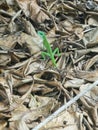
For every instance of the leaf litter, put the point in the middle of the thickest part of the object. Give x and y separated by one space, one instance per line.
31 88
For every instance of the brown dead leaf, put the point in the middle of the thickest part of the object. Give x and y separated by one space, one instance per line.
87 75
3 124
36 13
91 62
92 20
20 124
24 5
89 39
4 59
31 88
66 121
40 108
33 10
74 83
24 41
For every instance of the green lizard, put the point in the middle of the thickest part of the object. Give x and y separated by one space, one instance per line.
50 53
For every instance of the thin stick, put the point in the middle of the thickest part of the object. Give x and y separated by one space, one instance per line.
65 106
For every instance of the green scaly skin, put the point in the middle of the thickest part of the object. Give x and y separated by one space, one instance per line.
47 46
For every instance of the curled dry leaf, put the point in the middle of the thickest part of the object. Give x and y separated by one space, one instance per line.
92 20
24 41
36 13
48 77
91 62
33 10
89 39
6 94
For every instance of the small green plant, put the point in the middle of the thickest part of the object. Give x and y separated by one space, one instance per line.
50 53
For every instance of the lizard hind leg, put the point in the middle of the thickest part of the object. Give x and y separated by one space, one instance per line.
56 51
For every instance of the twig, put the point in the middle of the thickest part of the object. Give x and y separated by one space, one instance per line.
16 15
65 106
5 13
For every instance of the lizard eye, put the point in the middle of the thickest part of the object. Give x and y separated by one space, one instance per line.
40 33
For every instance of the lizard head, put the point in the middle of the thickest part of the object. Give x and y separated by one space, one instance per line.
41 34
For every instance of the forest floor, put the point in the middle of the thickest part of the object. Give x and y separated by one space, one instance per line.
33 88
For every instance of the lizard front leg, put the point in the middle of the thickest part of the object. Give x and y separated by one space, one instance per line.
44 54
